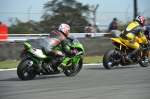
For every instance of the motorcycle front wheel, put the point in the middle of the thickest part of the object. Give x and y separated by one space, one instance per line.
74 69
144 62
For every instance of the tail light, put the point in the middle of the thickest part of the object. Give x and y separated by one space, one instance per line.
22 51
26 48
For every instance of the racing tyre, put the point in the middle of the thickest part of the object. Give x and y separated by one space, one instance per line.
108 60
74 69
24 72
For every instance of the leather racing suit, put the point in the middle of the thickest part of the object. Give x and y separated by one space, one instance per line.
128 36
50 42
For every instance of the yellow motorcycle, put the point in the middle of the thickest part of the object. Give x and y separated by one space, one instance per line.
114 57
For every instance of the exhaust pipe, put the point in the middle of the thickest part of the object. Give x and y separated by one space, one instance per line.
36 67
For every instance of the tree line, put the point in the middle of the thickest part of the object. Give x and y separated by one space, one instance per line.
55 12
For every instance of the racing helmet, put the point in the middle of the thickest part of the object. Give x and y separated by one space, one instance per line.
65 29
141 20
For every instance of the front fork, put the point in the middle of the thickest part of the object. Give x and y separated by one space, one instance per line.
145 54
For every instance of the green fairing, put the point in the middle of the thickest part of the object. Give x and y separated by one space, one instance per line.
79 46
28 45
64 63
36 60
75 59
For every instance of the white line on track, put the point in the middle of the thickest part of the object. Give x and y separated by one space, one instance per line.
83 65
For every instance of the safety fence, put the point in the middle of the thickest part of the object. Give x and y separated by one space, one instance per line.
23 37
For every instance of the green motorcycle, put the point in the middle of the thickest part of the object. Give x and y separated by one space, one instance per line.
34 60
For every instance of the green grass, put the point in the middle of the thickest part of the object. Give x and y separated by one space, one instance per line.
92 59
7 65
86 60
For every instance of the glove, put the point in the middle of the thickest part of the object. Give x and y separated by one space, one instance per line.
73 52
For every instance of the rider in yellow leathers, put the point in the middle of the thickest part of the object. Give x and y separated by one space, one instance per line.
135 28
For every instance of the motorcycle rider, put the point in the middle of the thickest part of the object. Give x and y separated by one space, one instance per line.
134 28
56 37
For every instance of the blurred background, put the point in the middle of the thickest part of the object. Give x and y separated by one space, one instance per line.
42 16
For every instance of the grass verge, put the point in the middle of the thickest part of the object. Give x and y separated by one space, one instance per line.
86 60
7 65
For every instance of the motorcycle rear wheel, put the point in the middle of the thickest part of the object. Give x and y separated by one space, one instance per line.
108 60
22 71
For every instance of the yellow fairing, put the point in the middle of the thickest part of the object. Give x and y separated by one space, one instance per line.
149 54
138 40
141 40
134 45
118 41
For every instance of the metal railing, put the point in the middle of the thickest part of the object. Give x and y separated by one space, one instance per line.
20 37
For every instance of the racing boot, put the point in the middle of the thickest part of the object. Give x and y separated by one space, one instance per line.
56 61
58 58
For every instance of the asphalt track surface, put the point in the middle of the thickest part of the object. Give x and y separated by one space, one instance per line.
93 82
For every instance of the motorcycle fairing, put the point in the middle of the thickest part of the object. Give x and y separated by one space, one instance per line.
118 41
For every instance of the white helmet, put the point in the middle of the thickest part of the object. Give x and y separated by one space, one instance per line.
64 28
